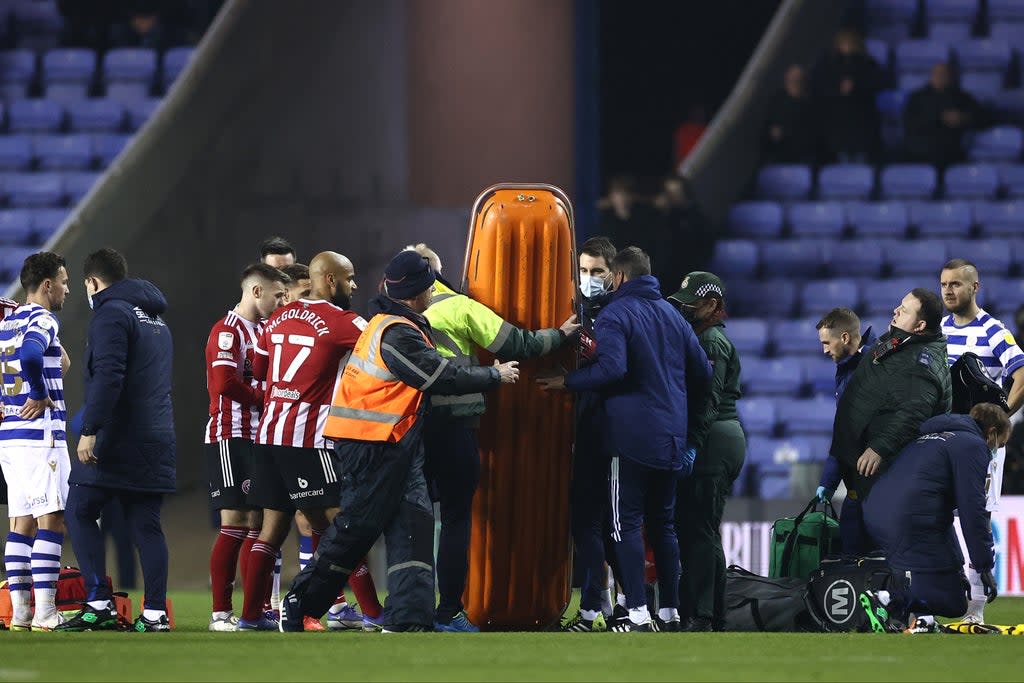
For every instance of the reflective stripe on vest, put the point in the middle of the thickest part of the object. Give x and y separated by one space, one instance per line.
371 403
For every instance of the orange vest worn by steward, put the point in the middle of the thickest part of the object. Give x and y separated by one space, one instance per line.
372 404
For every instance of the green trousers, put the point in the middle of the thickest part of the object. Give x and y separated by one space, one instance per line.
700 503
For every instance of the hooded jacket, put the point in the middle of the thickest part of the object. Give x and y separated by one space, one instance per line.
910 509
128 391
648 358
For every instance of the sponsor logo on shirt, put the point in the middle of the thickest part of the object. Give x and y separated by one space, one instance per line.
290 394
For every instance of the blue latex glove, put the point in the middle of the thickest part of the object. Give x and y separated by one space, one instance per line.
688 459
824 495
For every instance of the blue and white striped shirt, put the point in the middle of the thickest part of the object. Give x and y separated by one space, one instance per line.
989 339
30 324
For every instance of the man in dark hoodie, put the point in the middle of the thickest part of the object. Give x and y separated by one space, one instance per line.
126 450
910 511
649 362
376 421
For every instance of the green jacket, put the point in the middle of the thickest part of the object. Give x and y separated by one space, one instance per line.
461 326
900 382
725 386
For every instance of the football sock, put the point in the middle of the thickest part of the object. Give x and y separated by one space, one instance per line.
366 591
588 614
305 551
258 579
606 602
976 605
639 615
46 571
18 565
223 561
153 614
246 549
884 597
668 613
620 599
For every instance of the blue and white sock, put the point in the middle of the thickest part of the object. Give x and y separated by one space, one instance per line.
275 589
46 571
18 565
305 551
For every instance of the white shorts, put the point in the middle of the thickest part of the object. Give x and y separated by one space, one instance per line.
37 479
994 481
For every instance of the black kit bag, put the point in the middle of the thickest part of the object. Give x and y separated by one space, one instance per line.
834 591
972 385
760 603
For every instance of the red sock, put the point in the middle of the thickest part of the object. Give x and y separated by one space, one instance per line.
223 559
257 579
243 554
366 591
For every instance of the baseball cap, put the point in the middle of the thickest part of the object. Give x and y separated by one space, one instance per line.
698 285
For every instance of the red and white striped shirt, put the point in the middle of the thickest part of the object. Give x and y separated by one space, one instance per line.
236 398
301 353
7 307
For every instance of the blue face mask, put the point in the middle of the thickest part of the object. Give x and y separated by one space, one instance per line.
592 286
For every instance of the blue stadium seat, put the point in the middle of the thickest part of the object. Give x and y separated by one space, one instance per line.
77 185
949 32
1003 297
45 222
761 451
879 51
68 73
1005 10
992 256
140 112
772 376
909 81
792 258
1000 219
773 482
816 219
941 218
984 54
64 152
34 189
1011 179
35 116
1009 104
878 219
845 181
858 258
757 415
175 61
755 219
820 374
1001 143
818 296
950 19
882 296
908 181
17 69
748 335
920 55
11 261
129 73
890 105
95 116
984 85
799 336
735 258
16 228
767 299
109 145
807 416
922 257
878 325
15 153
971 181
784 181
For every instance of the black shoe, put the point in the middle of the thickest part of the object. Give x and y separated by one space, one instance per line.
671 626
627 626
619 614
407 628
144 625
696 624
92 619
291 615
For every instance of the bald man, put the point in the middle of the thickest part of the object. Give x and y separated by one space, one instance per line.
299 355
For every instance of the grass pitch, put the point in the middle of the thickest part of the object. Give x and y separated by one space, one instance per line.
193 654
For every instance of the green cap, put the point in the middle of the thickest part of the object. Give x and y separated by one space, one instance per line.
698 285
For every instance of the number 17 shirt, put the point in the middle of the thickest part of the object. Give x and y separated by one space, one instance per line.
301 354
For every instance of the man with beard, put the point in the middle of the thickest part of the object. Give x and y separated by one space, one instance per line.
300 355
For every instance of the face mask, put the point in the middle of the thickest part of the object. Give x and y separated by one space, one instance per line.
592 286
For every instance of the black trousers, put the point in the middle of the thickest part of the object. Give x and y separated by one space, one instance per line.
941 593
383 491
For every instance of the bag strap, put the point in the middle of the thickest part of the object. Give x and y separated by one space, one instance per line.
787 550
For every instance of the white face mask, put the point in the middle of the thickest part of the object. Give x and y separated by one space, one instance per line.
592 286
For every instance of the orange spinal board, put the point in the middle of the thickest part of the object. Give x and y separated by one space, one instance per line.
521 262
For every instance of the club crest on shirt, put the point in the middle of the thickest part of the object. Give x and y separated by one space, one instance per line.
225 340
1008 338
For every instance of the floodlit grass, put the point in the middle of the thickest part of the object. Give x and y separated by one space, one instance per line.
192 654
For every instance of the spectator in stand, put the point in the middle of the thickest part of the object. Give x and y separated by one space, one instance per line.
625 218
686 233
846 84
936 118
688 134
156 24
791 125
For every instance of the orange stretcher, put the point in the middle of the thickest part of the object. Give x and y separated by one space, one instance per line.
521 262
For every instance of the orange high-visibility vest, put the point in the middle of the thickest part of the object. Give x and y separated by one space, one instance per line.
371 403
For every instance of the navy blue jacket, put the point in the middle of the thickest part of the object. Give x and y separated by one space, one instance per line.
830 472
909 510
128 392
647 358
